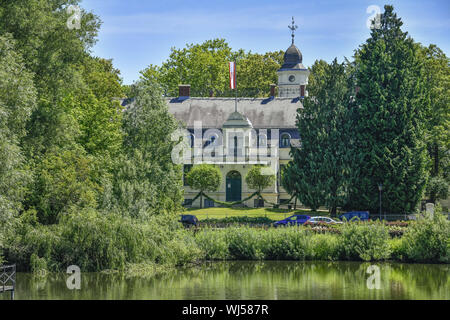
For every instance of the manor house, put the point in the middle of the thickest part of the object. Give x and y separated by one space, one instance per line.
272 121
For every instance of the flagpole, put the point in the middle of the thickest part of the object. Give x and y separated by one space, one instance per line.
235 86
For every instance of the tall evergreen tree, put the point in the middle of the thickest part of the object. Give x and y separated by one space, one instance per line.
437 66
388 114
321 163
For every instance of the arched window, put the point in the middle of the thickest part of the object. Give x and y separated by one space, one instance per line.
285 140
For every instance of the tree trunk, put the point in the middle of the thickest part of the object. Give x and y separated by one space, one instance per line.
333 212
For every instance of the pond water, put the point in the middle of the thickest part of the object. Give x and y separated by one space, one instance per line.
251 280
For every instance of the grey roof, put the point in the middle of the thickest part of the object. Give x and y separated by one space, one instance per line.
214 112
293 58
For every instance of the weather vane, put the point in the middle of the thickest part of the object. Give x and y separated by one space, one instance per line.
293 27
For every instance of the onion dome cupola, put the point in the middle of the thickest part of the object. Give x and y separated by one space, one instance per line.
293 58
293 76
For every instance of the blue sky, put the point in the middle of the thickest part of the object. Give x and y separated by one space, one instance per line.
136 33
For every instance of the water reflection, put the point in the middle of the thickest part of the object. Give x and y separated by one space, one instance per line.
251 280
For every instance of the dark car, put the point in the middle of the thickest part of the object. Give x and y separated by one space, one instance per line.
355 215
189 220
295 220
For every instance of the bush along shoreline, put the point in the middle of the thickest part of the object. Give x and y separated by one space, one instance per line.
110 242
424 241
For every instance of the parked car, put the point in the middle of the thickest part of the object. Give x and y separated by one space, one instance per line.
189 220
295 220
358 215
327 220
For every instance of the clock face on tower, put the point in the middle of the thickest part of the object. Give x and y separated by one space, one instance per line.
292 78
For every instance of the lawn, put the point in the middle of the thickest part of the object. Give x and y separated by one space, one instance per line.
274 214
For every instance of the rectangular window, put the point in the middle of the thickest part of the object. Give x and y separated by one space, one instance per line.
302 91
209 203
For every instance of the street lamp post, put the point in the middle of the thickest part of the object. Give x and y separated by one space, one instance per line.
380 188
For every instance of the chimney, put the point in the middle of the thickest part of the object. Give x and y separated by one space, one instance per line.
302 91
184 90
272 90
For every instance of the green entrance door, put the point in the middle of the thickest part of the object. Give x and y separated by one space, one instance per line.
234 186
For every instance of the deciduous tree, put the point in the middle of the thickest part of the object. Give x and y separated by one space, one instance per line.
204 177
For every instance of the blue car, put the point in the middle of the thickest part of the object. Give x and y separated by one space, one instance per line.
293 221
355 215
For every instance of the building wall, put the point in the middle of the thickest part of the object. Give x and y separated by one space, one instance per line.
273 193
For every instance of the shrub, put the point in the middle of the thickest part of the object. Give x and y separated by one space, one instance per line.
325 247
38 265
95 241
365 242
397 249
297 244
213 244
181 250
428 239
244 243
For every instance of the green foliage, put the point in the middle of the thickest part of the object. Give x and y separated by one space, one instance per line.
289 180
428 240
387 121
49 48
96 241
17 102
204 177
437 189
17 92
146 181
259 178
63 180
289 244
213 248
319 171
437 71
359 242
326 247
365 242
245 244
205 67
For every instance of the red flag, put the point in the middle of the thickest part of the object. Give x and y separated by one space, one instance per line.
232 75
